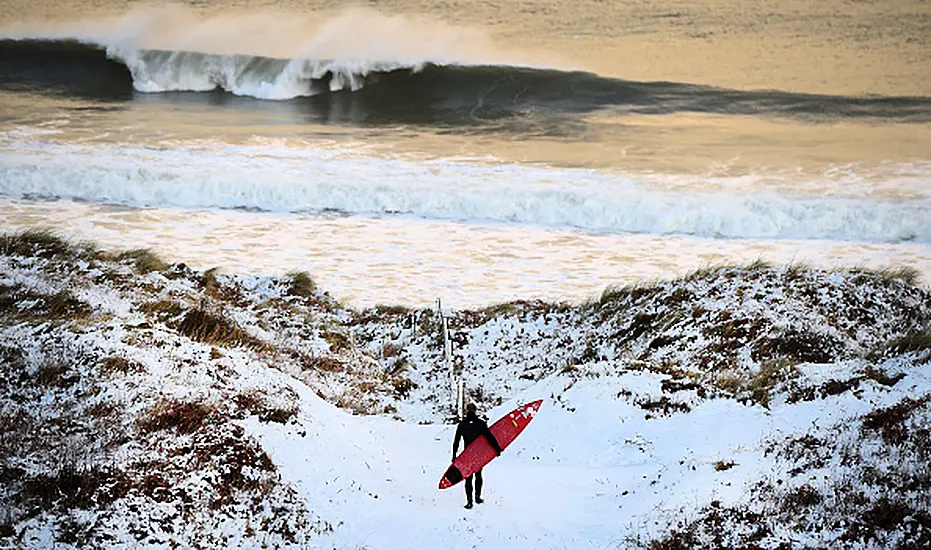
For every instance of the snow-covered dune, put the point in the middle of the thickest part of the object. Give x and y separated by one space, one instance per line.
147 405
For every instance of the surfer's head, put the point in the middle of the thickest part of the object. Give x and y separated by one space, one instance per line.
470 409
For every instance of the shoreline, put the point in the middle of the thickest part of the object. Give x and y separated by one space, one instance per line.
365 262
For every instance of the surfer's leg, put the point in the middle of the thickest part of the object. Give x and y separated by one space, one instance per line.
468 489
478 486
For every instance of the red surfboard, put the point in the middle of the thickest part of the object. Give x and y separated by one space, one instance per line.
480 452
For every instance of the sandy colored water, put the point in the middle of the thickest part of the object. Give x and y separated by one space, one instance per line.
835 47
851 47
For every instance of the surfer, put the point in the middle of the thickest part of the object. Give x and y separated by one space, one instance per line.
468 430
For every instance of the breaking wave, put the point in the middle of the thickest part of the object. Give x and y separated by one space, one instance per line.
314 180
403 90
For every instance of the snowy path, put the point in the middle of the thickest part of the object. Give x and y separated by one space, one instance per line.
589 472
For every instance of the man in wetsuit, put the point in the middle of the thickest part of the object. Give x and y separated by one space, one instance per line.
469 430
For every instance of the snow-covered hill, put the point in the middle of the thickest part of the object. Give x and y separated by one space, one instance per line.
147 405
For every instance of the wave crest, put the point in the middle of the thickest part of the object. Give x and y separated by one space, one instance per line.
258 77
272 56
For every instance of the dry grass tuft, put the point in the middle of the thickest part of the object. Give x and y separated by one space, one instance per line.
185 417
663 407
55 373
756 387
907 274
114 365
797 271
917 339
144 260
215 289
63 304
771 373
18 302
797 500
13 358
257 403
759 265
888 275
74 487
402 386
162 309
707 272
206 327
724 465
302 285
621 296
799 345
391 311
891 422
339 341
39 243
10 297
210 283
322 363
500 310
358 400
882 377
389 350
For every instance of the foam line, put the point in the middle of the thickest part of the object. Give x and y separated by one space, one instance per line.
313 180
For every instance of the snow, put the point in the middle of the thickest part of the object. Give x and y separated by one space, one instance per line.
596 468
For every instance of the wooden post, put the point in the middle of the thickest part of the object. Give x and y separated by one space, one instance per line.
456 383
460 398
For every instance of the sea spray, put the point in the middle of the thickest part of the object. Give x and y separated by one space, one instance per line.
357 33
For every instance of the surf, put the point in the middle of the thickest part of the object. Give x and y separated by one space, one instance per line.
313 180
397 90
386 69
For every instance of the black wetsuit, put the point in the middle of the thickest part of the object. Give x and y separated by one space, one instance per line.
469 430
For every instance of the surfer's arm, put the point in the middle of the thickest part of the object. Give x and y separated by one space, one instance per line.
491 439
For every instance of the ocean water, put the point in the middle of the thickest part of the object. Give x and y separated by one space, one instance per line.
474 152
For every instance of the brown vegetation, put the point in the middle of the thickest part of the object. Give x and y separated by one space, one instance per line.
17 302
800 345
113 365
663 406
162 309
916 339
258 403
38 243
302 285
185 417
208 328
891 422
55 373
144 260
72 487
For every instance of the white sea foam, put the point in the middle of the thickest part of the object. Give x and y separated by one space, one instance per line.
259 77
310 179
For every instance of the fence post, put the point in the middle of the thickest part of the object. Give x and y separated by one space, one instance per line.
460 398
456 383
